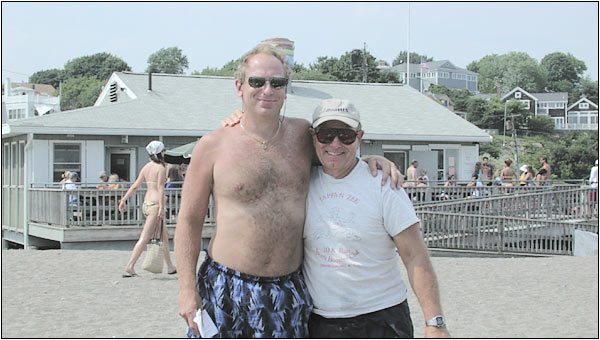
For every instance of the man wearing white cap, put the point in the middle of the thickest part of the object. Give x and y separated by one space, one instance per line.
352 231
257 172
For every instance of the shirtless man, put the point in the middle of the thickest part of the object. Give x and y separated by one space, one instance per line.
258 172
546 166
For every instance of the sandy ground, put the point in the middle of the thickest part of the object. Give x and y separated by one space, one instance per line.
72 293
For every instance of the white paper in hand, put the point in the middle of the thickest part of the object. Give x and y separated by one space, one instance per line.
206 325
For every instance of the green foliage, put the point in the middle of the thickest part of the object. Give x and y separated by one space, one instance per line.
573 155
509 71
51 77
415 58
307 74
541 124
388 76
492 150
588 88
167 60
562 67
460 98
226 71
99 65
80 92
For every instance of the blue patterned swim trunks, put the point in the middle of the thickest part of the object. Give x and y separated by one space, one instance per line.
246 306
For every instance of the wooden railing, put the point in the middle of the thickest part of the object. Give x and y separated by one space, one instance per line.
551 203
95 207
542 222
499 233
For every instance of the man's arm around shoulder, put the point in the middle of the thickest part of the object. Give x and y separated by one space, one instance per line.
188 234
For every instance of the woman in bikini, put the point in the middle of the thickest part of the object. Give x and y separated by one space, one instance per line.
154 174
507 175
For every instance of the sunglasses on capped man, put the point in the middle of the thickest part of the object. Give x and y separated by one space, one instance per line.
327 135
276 82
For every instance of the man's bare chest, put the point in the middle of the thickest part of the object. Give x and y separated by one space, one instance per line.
251 174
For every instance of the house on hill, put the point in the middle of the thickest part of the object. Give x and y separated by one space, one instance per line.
439 72
134 109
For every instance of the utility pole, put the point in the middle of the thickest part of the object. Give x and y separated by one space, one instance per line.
365 62
514 133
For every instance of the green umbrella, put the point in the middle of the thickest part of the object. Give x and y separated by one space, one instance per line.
180 154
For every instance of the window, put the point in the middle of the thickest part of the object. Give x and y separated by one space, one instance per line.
584 105
560 105
444 74
67 157
16 113
6 164
517 95
398 157
21 162
526 102
14 164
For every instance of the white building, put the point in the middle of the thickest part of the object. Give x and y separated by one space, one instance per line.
21 101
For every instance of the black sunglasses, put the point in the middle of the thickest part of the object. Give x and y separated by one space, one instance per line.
276 82
327 135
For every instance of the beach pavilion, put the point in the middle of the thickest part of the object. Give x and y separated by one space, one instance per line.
135 108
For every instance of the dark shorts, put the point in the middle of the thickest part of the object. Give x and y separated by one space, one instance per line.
392 322
246 306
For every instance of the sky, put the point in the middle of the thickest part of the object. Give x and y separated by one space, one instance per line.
45 35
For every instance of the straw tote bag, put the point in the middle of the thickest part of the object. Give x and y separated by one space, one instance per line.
153 262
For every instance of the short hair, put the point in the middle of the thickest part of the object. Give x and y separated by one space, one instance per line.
414 161
72 175
544 158
484 157
264 48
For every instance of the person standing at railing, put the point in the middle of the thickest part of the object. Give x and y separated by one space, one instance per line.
154 174
69 185
594 182
545 165
507 174
487 169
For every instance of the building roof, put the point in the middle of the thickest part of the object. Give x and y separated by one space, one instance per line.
193 105
436 65
583 100
41 89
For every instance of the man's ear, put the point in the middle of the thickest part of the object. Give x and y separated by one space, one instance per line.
238 87
360 135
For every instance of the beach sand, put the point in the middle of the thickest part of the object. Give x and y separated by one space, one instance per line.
73 293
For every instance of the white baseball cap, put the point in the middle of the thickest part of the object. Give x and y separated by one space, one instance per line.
155 147
336 109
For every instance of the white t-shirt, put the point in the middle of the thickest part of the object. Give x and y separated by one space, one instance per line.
351 265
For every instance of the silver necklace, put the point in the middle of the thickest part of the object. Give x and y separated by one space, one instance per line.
263 142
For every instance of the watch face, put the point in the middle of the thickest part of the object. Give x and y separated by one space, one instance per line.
439 320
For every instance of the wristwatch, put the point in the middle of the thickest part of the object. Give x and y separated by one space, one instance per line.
436 321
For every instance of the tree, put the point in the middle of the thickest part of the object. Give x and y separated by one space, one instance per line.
51 77
459 97
541 124
588 88
415 58
226 71
572 155
562 67
167 60
509 71
99 65
80 92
